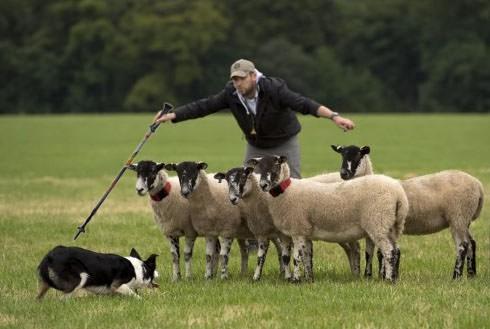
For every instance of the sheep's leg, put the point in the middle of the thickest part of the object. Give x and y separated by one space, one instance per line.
286 244
397 262
381 264
389 258
215 258
263 246
244 256
297 259
210 256
462 242
368 272
175 251
225 256
277 244
308 259
301 255
471 257
352 251
189 247
460 258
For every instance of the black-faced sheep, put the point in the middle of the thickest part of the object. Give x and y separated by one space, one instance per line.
362 167
211 213
170 210
373 206
447 199
243 185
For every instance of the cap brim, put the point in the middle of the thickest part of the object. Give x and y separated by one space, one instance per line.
241 74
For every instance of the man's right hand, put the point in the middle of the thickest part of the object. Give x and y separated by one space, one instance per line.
163 118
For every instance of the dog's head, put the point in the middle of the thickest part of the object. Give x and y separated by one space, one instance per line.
145 270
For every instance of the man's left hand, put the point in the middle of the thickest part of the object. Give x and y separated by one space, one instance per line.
343 123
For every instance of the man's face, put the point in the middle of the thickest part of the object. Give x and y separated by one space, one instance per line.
245 85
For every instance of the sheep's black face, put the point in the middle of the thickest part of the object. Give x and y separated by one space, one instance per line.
351 158
269 169
237 179
146 175
188 172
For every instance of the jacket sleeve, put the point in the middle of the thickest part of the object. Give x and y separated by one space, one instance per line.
295 101
201 108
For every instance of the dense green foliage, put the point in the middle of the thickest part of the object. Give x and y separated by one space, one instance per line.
55 168
356 56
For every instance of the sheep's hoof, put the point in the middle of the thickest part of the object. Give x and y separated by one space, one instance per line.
294 280
309 280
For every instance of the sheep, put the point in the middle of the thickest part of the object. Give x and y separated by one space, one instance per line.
363 165
355 163
243 185
373 206
170 210
211 214
358 161
447 199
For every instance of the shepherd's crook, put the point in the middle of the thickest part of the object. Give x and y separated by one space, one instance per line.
153 127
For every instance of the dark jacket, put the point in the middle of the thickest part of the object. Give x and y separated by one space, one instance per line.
275 121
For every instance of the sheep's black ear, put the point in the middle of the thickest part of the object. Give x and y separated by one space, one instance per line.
219 176
133 166
282 159
160 166
249 170
252 162
171 167
134 254
337 148
202 165
365 150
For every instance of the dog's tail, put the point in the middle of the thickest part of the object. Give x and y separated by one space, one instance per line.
45 281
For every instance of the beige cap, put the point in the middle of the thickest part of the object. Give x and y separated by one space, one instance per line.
241 68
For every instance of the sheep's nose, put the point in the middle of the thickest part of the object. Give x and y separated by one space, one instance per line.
234 200
344 174
264 185
140 191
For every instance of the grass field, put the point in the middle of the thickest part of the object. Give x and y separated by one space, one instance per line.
55 168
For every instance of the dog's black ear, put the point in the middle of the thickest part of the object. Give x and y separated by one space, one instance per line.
219 176
134 254
151 261
365 150
160 166
171 167
133 166
337 148
202 165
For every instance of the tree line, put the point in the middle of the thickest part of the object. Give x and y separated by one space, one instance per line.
355 56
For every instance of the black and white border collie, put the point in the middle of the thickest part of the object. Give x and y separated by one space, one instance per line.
71 268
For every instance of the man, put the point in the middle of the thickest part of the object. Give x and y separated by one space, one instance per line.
263 108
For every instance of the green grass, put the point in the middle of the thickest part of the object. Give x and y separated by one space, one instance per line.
55 168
